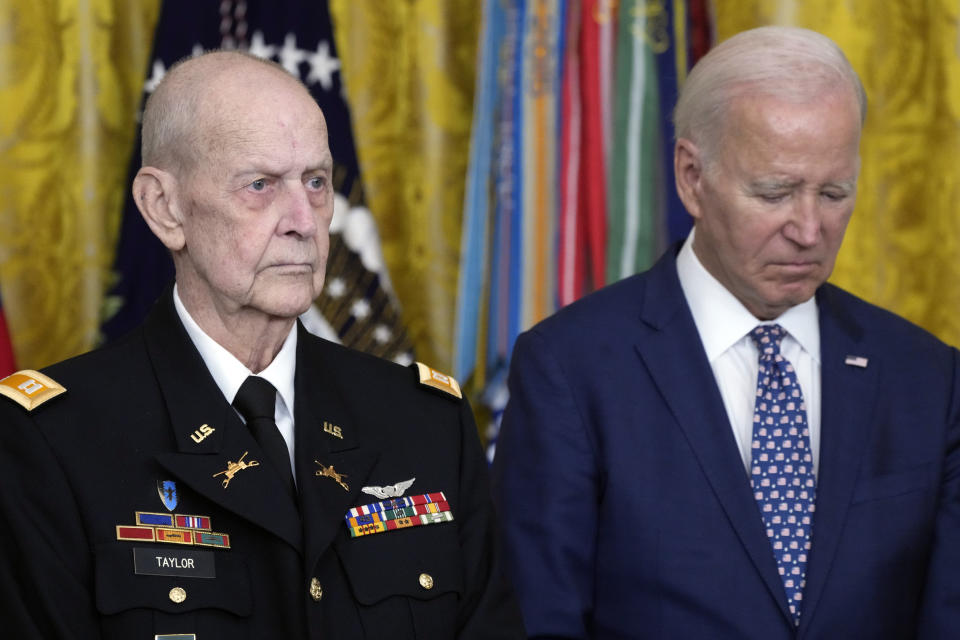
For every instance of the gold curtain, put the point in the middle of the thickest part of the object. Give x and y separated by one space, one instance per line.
71 75
409 69
901 248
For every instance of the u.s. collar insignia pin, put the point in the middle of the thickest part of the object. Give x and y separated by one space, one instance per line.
167 489
332 429
233 467
330 472
389 491
202 433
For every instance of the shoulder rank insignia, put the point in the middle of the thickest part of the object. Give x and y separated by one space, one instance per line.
433 378
30 388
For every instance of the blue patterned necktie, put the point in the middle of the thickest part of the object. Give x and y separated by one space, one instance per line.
781 464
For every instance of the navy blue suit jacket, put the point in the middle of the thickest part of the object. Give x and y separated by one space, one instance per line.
626 510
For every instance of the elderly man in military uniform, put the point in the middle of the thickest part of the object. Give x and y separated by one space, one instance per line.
220 472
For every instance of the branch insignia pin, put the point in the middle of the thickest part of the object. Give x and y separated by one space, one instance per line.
233 467
330 472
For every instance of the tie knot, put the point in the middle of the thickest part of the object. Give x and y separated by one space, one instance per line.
767 337
256 398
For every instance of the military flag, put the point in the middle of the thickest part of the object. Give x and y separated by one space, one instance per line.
571 168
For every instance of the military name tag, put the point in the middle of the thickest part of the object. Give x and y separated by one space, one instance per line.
160 562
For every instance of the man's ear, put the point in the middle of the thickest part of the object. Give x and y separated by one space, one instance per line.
154 191
688 174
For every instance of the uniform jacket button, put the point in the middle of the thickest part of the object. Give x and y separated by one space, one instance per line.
178 594
426 581
316 589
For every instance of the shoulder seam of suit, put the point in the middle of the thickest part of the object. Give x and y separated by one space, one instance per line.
30 388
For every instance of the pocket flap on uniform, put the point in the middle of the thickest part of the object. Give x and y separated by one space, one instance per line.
421 563
170 578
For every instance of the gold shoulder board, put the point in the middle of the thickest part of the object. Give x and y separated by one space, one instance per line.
30 388
433 378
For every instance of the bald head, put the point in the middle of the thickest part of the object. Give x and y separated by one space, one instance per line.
237 184
190 111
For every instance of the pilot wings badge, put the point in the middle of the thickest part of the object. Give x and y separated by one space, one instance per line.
389 491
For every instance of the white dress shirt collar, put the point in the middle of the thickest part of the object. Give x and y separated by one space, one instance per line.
229 373
722 320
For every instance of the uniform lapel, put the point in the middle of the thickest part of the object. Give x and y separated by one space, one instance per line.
329 433
671 349
848 396
193 400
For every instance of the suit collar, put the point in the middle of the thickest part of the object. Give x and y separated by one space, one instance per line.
671 349
848 399
329 434
192 400
192 397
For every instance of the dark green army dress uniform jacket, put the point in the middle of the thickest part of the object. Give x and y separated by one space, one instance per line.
133 505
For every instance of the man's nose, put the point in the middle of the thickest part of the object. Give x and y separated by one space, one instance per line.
806 220
298 216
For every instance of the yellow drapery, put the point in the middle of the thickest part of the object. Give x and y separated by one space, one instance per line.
901 247
71 75
409 70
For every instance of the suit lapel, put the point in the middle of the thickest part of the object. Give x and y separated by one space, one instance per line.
671 349
847 398
193 400
329 433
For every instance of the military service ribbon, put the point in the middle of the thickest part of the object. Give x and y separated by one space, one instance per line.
398 513
173 528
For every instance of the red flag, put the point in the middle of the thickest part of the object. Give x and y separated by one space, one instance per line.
701 30
597 19
7 365
571 251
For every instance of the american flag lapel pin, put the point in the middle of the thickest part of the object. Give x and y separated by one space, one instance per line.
856 361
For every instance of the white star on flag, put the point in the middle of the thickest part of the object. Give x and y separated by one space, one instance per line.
156 75
291 56
360 309
381 334
260 48
322 66
336 288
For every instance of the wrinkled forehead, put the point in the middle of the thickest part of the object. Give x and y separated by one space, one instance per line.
260 113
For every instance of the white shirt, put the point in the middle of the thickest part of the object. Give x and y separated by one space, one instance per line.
724 324
229 373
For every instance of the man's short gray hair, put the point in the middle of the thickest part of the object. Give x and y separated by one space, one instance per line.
786 62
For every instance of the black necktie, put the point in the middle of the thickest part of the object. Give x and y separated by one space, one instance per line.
255 401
